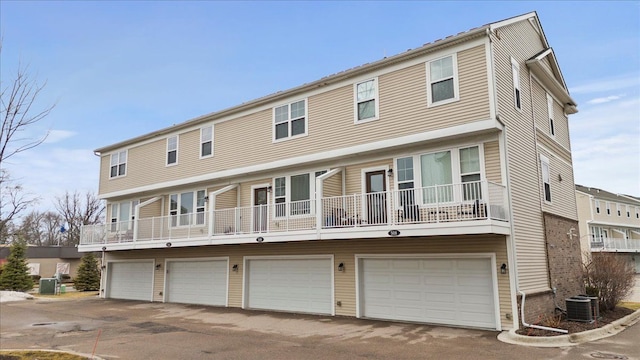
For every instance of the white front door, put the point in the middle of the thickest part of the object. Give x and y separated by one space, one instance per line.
130 280
452 291
295 285
197 282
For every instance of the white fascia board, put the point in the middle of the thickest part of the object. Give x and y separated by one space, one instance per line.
550 82
612 224
512 20
377 146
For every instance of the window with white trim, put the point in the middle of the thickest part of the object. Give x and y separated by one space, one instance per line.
292 194
187 208
206 141
405 182
123 215
628 209
552 128
290 120
597 206
366 98
442 80
436 173
619 209
546 177
515 71
118 164
637 213
608 206
598 234
172 150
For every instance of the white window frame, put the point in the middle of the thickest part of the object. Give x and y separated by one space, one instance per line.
456 174
287 197
545 174
456 88
637 212
375 98
517 92
169 150
608 206
115 211
202 141
619 209
597 202
628 210
118 163
193 218
290 120
552 126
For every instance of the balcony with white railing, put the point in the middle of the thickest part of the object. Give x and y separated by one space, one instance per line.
468 208
608 244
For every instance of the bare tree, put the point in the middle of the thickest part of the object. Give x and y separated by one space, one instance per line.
18 112
13 200
41 228
17 101
77 210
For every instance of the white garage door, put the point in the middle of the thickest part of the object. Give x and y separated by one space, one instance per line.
130 280
441 291
197 282
296 285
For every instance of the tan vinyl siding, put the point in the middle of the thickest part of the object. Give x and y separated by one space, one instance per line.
333 185
614 218
151 210
552 145
227 200
561 122
541 116
342 251
403 111
492 162
521 42
562 188
584 204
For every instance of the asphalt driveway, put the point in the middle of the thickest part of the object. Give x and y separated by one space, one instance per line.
140 330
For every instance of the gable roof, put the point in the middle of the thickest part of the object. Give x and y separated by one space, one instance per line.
339 76
608 196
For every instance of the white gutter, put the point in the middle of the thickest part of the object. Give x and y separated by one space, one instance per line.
536 326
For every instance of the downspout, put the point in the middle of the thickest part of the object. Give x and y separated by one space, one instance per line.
536 326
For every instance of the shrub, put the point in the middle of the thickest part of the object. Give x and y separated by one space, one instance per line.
610 277
35 278
88 274
15 274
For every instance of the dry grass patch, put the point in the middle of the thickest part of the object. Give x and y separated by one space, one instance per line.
38 355
69 295
630 305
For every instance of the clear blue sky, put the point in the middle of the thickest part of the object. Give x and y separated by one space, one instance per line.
121 69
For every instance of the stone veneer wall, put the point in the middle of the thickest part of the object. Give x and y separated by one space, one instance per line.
565 268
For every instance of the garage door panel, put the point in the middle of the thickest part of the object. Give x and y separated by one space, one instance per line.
298 285
447 291
197 282
131 280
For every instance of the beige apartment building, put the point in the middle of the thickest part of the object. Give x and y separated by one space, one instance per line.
609 222
433 186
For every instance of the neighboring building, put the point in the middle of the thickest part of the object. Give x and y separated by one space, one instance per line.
430 186
609 223
46 261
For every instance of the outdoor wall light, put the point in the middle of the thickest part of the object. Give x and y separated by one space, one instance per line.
235 267
341 267
168 244
390 172
269 188
104 248
503 268
158 266
259 239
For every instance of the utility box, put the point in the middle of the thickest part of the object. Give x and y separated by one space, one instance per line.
579 309
48 286
595 305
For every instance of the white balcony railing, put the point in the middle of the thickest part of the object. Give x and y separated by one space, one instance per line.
435 204
614 244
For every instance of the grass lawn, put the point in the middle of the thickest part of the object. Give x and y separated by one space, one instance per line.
630 305
68 295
